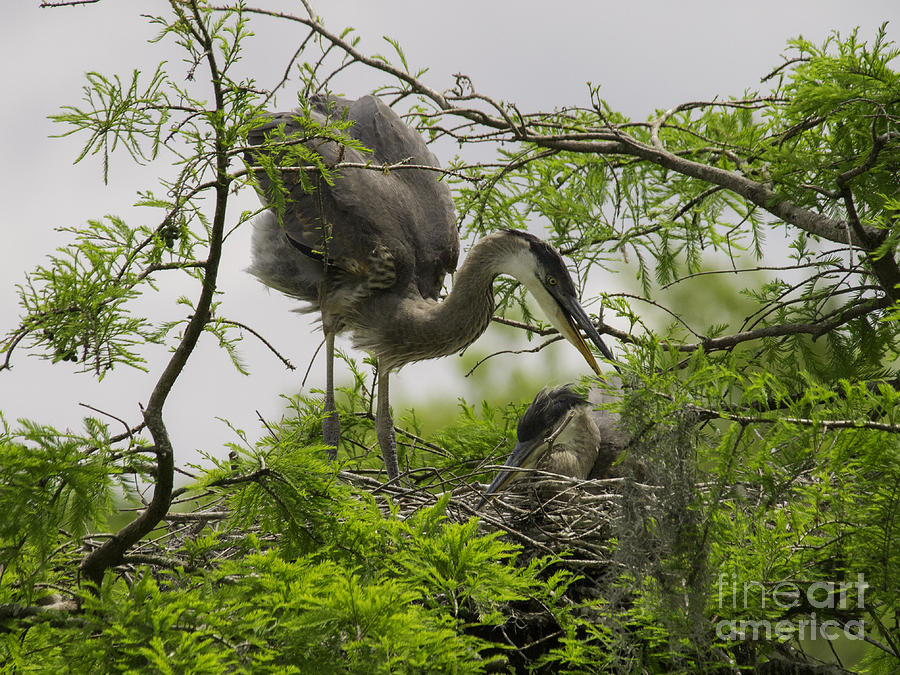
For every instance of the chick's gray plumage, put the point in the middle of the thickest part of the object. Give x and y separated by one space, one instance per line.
557 435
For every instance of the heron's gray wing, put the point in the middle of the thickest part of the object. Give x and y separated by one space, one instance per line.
404 215
346 242
425 219
407 212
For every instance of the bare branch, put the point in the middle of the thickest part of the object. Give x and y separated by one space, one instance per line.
824 424
242 326
814 329
744 270
533 350
787 62
67 3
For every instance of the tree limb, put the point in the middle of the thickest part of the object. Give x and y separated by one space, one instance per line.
110 553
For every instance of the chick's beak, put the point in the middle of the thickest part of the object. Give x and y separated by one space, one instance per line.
525 455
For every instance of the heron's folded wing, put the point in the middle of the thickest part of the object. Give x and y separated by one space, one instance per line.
407 213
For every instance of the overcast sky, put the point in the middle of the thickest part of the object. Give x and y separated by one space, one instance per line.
645 56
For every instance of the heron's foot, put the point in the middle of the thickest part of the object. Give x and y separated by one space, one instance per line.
331 433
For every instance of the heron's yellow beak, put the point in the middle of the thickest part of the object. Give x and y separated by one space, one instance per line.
573 335
569 318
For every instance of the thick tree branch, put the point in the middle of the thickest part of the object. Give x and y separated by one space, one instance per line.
112 551
801 421
885 266
816 330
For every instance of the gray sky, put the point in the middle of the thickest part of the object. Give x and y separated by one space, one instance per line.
646 56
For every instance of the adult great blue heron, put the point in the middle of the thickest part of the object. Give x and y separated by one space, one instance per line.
370 251
559 434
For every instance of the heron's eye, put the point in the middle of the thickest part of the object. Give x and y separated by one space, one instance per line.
551 281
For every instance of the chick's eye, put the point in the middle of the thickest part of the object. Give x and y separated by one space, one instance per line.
551 281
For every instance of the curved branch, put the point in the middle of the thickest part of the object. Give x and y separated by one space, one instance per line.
816 330
743 270
532 350
801 421
113 550
238 324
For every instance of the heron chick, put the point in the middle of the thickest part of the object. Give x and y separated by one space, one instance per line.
557 434
370 249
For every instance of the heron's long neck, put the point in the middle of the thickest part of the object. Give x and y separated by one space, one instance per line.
466 312
425 329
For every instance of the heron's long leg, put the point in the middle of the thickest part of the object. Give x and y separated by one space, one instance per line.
384 426
331 422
